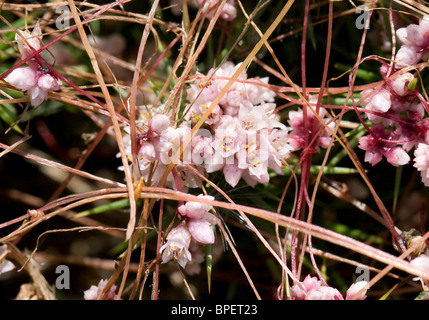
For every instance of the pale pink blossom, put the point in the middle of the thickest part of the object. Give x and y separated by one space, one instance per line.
34 79
202 150
201 230
355 288
415 35
27 42
407 56
177 246
147 151
199 220
376 148
421 262
378 100
259 117
95 291
159 123
373 153
397 156
421 161
256 91
280 149
232 174
36 83
226 141
400 84
23 78
316 133
196 210
312 289
197 111
415 43
5 264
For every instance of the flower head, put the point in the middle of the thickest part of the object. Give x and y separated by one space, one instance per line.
312 289
355 288
34 79
95 291
27 42
316 131
177 246
376 149
199 219
196 210
421 161
415 35
415 41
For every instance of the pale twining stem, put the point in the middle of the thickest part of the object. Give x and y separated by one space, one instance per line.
60 166
112 112
134 151
284 221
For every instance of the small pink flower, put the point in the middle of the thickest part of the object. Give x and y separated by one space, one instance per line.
379 100
199 220
421 262
35 83
400 84
407 56
177 246
312 289
396 156
5 265
95 291
196 210
421 161
201 230
28 41
299 135
197 111
373 153
232 174
22 78
354 290
159 123
415 35
376 149
202 149
147 151
33 79
226 141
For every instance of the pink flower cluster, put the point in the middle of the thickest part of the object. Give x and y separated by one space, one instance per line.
196 224
95 291
247 137
415 43
34 79
398 119
312 129
312 289
242 135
